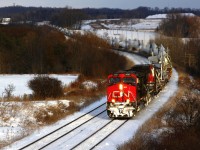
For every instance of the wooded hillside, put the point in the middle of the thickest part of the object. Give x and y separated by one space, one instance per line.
32 49
182 35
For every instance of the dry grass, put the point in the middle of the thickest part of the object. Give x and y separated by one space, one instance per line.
51 114
12 114
29 117
79 94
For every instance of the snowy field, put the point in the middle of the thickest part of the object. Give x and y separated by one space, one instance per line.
142 31
20 82
11 123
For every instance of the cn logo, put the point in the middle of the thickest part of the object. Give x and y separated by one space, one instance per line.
118 94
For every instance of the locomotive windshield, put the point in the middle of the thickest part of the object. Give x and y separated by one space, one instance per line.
112 81
129 80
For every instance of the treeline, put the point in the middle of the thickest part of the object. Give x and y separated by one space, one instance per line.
64 17
182 38
19 13
71 18
41 50
140 12
178 25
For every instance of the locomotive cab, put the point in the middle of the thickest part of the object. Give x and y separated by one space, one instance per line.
122 94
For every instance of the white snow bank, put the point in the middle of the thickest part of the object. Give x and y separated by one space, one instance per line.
157 16
135 58
163 16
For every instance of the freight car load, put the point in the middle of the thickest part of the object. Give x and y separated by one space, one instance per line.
129 89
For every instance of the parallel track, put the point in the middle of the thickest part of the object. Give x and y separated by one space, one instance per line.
105 128
92 134
53 132
100 138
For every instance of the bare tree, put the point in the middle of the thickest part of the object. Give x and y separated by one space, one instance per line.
8 91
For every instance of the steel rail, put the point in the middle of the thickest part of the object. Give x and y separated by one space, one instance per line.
64 126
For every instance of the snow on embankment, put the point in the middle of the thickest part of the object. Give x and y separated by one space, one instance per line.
135 58
126 132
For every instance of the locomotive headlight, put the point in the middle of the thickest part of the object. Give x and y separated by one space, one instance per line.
128 100
121 94
121 86
113 100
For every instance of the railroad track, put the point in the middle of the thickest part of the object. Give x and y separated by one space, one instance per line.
65 129
75 134
100 135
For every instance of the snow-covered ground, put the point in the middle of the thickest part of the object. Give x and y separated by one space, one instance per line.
136 58
13 118
124 35
121 135
140 31
163 16
20 82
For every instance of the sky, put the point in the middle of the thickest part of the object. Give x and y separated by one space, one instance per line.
123 4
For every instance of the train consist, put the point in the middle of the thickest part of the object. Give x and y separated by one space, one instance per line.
130 89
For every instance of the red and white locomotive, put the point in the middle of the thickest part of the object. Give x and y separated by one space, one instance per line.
127 89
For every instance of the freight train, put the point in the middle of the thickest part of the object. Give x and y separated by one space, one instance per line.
130 89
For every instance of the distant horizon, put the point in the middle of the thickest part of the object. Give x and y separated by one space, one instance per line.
95 7
116 4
